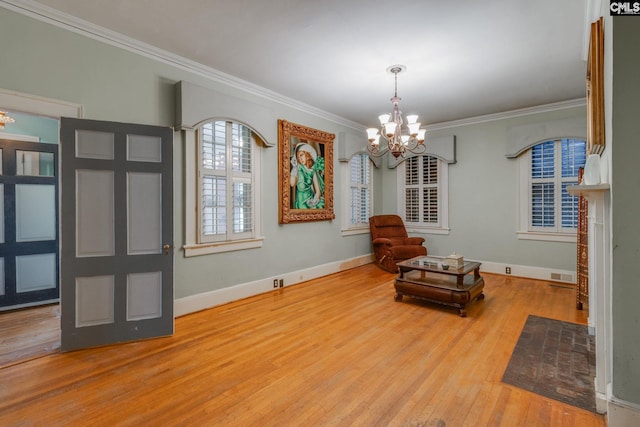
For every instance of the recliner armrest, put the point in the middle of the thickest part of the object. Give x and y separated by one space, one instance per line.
414 240
381 241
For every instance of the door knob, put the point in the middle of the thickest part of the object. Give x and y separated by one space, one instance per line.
166 248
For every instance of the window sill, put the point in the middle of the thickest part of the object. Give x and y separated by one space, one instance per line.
355 231
548 237
220 247
427 230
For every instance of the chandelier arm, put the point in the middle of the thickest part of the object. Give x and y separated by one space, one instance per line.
418 149
375 151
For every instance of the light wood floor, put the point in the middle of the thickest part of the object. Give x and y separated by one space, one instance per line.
29 333
335 351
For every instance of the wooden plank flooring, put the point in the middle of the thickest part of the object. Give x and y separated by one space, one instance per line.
29 333
334 351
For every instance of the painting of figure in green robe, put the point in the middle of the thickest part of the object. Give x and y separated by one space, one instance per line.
307 176
305 173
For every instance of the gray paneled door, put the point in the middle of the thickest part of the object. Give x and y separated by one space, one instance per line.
117 232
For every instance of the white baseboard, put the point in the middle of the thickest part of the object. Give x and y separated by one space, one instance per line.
540 273
601 399
622 414
205 300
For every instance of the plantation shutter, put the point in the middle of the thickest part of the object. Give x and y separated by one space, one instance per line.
412 190
226 182
360 192
421 190
543 185
574 156
214 183
554 167
430 189
241 176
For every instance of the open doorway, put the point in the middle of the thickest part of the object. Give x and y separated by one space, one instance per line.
28 221
29 237
30 310
100 302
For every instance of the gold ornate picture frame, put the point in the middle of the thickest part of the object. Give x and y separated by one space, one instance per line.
595 90
305 173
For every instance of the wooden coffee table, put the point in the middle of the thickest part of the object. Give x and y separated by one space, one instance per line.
423 277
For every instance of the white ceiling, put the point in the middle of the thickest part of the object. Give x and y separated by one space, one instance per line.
464 59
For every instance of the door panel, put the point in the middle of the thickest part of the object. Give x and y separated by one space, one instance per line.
35 212
95 212
94 144
145 199
95 301
117 210
144 295
36 272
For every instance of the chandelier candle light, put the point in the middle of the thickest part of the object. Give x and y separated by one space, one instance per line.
391 129
5 119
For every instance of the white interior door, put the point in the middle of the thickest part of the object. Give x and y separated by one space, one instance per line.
117 232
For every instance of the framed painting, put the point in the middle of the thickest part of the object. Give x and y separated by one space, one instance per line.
595 90
305 173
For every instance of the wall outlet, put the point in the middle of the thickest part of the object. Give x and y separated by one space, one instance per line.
275 283
507 270
282 283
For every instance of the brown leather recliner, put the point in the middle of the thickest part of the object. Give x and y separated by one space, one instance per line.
391 243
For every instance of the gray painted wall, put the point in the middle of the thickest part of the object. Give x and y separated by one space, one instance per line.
117 85
623 130
483 194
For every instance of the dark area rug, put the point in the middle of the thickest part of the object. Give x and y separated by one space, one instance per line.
555 359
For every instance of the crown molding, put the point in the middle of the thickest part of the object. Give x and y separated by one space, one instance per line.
62 20
563 105
591 14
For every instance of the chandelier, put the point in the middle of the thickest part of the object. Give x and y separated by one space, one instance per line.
5 119
398 139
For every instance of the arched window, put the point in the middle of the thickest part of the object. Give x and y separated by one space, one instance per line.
547 210
423 194
227 196
226 181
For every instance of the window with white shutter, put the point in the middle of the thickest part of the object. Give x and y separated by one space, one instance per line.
359 192
223 160
547 210
226 182
424 204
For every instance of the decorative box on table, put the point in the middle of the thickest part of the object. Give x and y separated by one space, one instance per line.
455 260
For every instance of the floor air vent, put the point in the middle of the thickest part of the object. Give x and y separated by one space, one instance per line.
562 277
